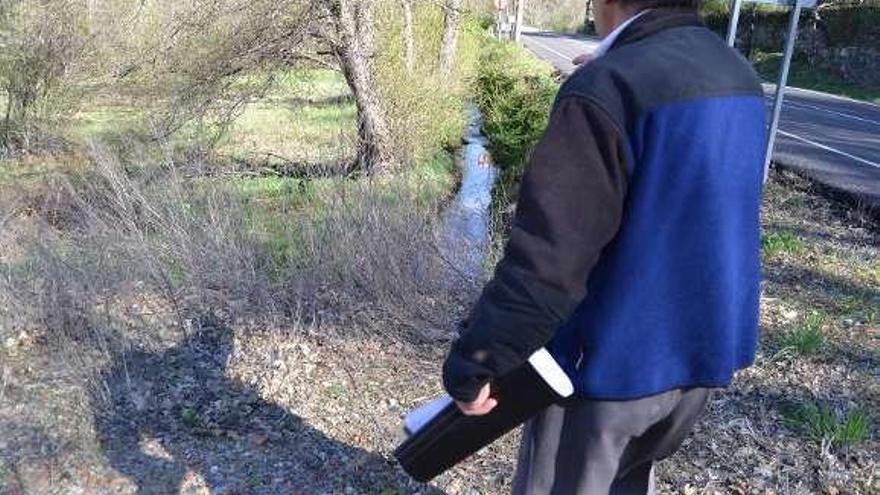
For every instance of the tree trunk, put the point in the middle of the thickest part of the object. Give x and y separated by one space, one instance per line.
589 15
750 33
6 138
355 50
409 38
450 36
517 27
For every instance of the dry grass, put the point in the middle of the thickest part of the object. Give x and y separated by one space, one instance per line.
119 268
242 371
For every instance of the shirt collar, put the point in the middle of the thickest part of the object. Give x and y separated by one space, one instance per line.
609 40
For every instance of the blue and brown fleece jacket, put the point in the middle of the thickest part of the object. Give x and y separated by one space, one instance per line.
635 250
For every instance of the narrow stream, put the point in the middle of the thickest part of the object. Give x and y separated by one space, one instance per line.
467 220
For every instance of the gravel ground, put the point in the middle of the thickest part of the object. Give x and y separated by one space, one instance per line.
315 409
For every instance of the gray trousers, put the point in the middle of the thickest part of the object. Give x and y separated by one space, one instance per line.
588 447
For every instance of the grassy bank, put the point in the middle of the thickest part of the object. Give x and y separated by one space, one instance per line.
802 75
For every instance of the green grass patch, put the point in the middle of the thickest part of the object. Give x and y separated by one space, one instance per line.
776 243
274 195
314 84
860 307
290 125
802 75
103 119
433 178
255 480
872 316
190 417
337 391
869 273
821 423
4 473
17 172
279 207
805 339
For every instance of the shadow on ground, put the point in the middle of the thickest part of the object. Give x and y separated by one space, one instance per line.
816 286
847 239
330 101
172 422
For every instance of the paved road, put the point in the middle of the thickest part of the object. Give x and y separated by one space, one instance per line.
834 140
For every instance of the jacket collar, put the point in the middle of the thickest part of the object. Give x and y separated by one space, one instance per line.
654 21
611 39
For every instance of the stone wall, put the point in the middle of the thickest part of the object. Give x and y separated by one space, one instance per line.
844 40
857 64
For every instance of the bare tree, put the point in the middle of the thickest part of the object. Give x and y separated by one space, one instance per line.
189 68
245 36
409 39
450 35
39 45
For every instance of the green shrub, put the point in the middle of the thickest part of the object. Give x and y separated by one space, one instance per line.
42 51
426 110
775 243
515 93
821 423
715 7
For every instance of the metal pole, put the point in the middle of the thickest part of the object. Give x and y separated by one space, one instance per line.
783 80
517 27
734 22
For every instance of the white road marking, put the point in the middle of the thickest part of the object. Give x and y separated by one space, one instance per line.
835 112
567 58
830 149
796 104
838 97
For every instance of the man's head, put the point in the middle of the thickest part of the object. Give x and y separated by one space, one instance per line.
608 14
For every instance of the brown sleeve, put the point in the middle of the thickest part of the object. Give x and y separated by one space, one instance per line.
570 208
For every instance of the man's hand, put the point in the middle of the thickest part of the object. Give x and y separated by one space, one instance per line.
481 406
582 59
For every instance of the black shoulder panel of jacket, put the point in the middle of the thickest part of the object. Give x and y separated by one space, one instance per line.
665 56
570 208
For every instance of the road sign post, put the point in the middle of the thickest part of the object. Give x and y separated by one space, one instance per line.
796 7
518 23
781 85
734 22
